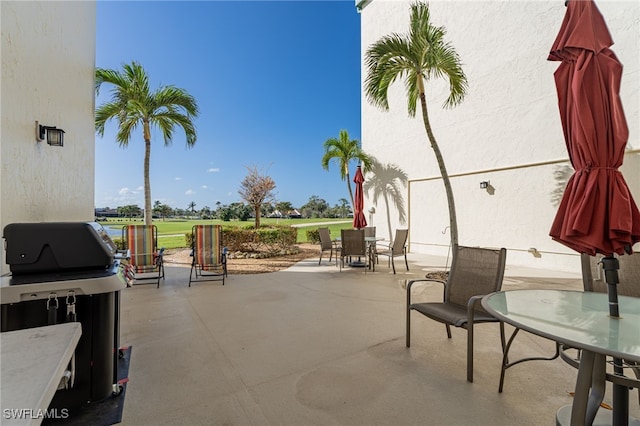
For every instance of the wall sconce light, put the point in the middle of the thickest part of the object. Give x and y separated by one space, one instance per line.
372 211
484 184
55 136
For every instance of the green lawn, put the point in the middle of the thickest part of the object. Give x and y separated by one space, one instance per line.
171 231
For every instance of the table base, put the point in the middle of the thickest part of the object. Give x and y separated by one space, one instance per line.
604 417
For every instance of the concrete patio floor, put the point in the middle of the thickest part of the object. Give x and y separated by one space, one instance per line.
314 346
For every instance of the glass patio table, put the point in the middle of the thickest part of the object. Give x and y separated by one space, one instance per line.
580 320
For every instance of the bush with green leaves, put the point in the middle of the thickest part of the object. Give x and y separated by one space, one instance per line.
119 242
313 236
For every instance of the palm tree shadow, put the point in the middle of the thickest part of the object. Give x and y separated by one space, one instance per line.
386 181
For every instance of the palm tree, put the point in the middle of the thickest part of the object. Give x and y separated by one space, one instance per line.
418 57
344 150
192 207
385 183
133 104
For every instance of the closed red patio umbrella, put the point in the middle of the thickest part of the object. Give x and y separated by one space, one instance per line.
359 219
597 213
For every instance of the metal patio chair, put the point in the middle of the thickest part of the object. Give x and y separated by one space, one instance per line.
397 248
209 256
474 273
327 244
369 231
353 245
144 259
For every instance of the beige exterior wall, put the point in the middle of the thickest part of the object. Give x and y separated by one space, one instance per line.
507 131
48 67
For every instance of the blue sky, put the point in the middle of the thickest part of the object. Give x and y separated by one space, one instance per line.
273 80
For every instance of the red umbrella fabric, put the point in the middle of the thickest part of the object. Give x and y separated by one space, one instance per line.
597 213
359 220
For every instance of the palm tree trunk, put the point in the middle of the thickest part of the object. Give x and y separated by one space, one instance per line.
443 170
148 219
353 204
386 203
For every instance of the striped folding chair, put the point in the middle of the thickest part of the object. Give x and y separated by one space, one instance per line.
209 257
144 258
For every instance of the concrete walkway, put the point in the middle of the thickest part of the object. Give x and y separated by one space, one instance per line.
314 346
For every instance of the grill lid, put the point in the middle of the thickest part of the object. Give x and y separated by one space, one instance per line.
33 248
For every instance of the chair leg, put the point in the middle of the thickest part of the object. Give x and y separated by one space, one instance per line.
408 331
448 330
321 257
408 315
405 261
191 271
393 264
470 352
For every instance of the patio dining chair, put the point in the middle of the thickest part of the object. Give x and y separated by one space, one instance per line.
369 231
398 247
144 260
353 245
327 244
209 257
474 273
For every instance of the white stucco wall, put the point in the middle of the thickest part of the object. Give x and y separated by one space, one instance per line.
48 68
506 131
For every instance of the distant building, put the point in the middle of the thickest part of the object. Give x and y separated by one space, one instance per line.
106 212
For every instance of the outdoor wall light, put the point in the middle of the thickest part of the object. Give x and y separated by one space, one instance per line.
484 184
55 136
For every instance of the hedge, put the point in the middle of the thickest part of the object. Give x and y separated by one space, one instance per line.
248 239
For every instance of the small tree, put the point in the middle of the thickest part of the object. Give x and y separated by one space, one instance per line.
257 189
344 210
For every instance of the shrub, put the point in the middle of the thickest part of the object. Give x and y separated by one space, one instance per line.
119 242
246 238
277 237
313 236
237 239
188 238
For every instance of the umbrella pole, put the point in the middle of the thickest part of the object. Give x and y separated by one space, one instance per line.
611 265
